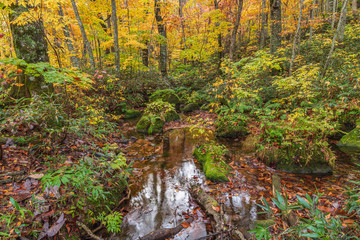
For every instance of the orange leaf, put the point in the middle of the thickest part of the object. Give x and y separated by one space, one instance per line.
185 224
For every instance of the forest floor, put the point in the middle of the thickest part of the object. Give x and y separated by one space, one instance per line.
248 175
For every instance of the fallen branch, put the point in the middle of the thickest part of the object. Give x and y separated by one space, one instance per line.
165 233
16 173
209 204
88 231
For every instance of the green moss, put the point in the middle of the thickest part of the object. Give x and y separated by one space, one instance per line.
351 140
143 124
171 116
190 107
150 124
156 125
231 125
214 168
166 95
131 113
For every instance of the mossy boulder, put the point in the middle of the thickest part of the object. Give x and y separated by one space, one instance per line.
215 169
155 115
351 140
166 95
132 113
308 158
190 107
150 124
171 116
231 126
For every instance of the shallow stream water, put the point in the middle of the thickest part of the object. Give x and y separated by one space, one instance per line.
164 169
160 195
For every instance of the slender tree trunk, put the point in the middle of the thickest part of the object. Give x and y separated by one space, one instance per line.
342 18
220 51
74 59
30 44
276 29
263 31
333 16
83 34
145 54
312 15
295 38
163 40
342 26
235 29
354 6
116 38
181 3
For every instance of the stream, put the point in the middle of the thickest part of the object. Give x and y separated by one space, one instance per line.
159 195
164 169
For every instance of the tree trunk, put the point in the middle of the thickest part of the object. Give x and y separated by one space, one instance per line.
342 26
163 40
145 54
30 44
73 57
295 38
312 15
181 3
116 38
333 16
263 31
235 29
83 34
275 16
354 6
342 18
220 51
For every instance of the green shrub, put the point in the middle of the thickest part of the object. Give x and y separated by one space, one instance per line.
166 95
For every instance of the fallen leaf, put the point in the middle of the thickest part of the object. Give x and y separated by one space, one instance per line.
185 224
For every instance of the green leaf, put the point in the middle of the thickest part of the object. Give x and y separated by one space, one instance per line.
14 203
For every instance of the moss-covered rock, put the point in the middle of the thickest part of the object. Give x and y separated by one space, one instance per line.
132 113
309 159
166 95
190 107
150 124
171 116
155 115
214 167
351 140
231 125
143 124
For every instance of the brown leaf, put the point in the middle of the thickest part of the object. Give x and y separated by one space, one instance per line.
55 228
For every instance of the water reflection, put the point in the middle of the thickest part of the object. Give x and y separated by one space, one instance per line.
160 196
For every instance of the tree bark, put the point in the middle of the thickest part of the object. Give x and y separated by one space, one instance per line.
263 31
235 29
220 51
312 15
116 38
333 16
296 37
181 3
275 16
335 36
354 6
30 44
163 40
83 34
74 59
342 26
